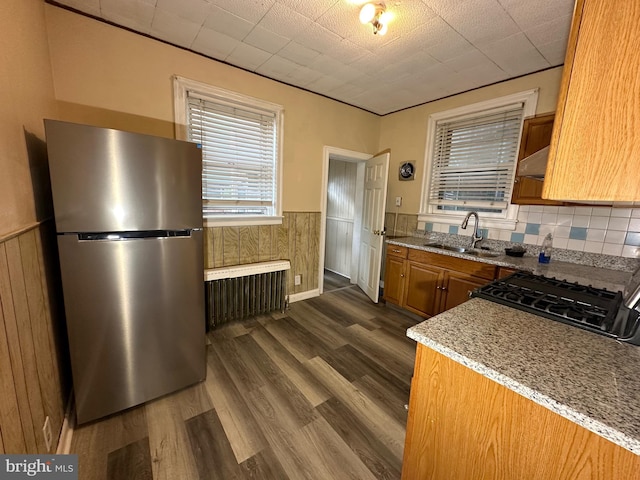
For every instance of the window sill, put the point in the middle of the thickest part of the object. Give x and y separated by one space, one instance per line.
485 222
241 221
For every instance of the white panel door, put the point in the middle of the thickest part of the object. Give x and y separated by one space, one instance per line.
371 238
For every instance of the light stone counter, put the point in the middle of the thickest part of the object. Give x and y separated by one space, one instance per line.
592 380
600 271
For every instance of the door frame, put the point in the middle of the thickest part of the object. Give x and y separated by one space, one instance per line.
348 155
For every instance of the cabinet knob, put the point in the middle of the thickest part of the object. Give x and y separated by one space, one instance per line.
402 274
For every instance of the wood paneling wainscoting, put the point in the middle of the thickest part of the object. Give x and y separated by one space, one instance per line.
296 240
34 379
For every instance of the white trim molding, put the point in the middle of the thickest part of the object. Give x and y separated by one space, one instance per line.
181 88
508 218
297 297
340 154
236 271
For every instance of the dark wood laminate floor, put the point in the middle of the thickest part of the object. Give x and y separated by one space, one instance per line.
316 393
333 281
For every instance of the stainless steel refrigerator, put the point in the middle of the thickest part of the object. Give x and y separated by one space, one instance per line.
128 215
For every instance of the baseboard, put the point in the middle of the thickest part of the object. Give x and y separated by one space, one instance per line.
66 433
296 297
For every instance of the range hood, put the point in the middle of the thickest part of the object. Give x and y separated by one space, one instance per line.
534 165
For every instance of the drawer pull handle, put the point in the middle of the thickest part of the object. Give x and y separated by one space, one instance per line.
396 251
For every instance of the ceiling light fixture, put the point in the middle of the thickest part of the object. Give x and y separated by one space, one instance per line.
376 15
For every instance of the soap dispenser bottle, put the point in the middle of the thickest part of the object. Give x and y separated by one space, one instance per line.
545 253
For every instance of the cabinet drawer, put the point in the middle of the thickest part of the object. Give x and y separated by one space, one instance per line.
477 269
396 251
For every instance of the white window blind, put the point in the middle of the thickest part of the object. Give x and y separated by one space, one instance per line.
239 153
474 161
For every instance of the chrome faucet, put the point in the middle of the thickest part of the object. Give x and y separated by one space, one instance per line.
475 238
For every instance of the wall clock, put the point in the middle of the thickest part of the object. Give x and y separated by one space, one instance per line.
407 171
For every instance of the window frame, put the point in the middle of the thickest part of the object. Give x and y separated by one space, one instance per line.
182 86
507 219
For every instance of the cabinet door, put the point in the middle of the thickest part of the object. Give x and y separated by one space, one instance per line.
596 140
536 134
458 287
422 293
393 280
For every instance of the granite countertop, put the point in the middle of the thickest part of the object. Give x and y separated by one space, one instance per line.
592 380
601 271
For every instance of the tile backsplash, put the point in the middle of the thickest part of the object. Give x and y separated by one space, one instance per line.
611 231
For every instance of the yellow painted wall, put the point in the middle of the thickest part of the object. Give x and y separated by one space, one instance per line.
111 77
26 96
405 132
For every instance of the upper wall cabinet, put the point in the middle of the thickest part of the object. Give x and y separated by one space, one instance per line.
595 148
536 134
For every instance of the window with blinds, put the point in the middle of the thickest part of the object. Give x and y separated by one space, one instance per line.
239 156
474 161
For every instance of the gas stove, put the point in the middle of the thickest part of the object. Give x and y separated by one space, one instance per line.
593 309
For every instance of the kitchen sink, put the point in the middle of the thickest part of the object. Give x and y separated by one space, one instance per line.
483 253
469 251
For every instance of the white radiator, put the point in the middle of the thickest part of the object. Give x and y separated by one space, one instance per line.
243 291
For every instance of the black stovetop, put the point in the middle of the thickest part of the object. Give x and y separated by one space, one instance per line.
594 309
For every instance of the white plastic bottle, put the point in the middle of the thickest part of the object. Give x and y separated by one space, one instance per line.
545 253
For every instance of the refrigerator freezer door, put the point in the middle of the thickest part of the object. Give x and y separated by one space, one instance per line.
135 319
108 180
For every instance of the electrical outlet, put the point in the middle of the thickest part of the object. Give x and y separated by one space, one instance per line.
398 201
46 432
297 280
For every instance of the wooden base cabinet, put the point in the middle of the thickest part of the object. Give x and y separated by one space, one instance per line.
428 283
422 288
463 426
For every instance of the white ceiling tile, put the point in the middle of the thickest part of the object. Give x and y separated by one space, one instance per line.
193 10
228 23
347 52
480 20
433 48
248 57
326 64
284 21
252 10
554 52
297 53
318 38
135 11
302 76
485 74
265 40
347 73
523 62
173 29
515 55
369 64
468 59
92 7
347 91
310 8
407 67
277 67
343 19
528 13
214 44
553 31
365 38
324 84
405 16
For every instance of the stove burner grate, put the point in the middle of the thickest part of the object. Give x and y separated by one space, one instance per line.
579 305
